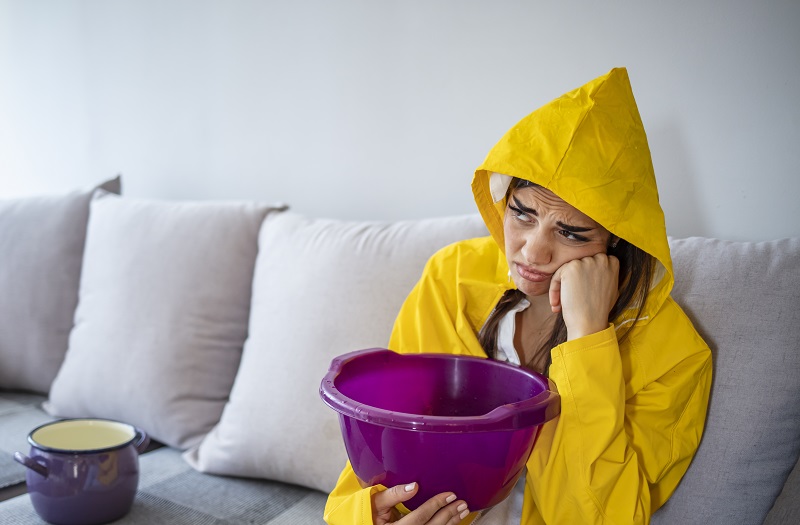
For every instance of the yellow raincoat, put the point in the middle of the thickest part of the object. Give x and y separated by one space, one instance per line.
632 413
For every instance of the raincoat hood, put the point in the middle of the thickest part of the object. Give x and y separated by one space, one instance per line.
588 147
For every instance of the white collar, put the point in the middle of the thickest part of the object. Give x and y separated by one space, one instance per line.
505 334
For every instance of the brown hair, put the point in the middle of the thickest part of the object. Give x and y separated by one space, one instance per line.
635 276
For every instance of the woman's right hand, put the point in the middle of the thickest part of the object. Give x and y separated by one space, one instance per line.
442 509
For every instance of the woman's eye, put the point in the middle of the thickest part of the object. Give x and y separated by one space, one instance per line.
573 236
519 214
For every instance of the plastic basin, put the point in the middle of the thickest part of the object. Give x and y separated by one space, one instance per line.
451 423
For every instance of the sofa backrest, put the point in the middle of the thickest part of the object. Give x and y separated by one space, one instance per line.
743 298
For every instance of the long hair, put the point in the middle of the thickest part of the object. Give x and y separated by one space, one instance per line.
635 276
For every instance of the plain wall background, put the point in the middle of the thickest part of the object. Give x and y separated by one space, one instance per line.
364 109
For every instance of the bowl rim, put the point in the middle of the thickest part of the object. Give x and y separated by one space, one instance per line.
136 436
523 414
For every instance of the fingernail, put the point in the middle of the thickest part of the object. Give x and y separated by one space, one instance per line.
451 498
464 514
409 487
461 507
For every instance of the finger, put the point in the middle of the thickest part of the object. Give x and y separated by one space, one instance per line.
555 291
386 500
461 512
442 509
611 261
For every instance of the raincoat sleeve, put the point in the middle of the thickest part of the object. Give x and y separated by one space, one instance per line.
349 503
620 447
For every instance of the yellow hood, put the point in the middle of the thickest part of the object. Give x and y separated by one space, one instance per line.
588 147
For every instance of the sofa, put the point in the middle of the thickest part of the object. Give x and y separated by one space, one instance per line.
210 325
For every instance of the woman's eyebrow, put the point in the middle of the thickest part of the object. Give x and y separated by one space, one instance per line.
524 208
569 227
575 229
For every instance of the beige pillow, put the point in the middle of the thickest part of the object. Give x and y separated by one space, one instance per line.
162 315
41 248
322 288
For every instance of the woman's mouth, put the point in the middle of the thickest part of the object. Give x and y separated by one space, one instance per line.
529 274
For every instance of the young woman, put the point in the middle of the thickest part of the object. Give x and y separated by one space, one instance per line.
574 282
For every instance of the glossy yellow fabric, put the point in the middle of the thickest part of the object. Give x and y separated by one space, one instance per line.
632 413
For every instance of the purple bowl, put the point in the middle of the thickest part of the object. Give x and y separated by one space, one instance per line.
451 423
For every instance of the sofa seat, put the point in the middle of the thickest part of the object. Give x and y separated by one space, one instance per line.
19 414
171 491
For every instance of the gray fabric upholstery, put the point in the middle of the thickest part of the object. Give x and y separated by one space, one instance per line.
172 493
19 414
162 317
744 300
41 248
322 288
787 506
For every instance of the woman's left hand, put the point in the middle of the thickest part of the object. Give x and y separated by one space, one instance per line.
584 291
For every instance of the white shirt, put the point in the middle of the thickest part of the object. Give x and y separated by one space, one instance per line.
508 511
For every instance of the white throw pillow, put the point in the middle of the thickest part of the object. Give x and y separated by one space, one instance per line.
162 315
41 248
322 288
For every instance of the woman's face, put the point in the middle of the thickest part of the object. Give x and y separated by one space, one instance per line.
542 232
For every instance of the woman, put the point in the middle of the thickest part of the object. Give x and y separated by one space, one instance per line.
574 282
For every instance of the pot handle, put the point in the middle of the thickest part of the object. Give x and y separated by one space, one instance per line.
31 464
141 441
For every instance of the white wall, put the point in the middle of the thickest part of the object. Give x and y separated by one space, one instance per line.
382 109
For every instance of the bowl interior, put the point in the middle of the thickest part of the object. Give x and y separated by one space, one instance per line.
435 384
82 435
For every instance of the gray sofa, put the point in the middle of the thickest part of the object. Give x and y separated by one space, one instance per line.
210 325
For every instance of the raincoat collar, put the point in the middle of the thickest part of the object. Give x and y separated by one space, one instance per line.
588 147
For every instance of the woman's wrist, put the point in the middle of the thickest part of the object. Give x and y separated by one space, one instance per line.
585 329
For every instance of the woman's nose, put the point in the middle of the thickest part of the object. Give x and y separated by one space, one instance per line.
537 249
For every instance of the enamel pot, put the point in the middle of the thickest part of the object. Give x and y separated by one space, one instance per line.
83 471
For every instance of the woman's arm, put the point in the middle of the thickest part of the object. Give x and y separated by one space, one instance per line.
458 289
631 420
349 503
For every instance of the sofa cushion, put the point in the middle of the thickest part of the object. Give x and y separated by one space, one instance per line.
41 242
743 299
322 288
162 315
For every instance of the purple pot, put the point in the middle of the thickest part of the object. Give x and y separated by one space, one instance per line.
83 471
450 423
